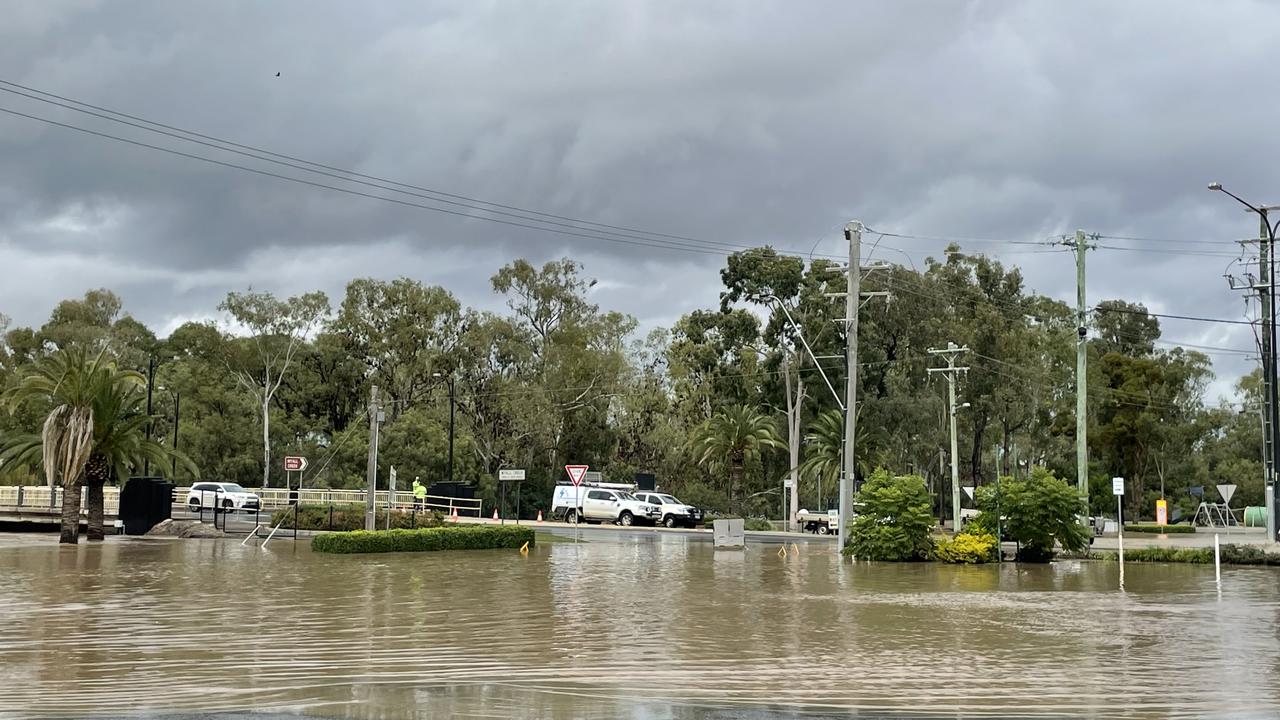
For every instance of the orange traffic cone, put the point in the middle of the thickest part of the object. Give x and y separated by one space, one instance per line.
539 516
495 513
454 517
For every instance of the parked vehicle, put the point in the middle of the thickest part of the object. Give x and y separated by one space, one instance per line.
222 495
818 523
674 512
600 502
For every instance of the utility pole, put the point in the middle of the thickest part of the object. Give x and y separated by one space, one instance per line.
370 515
852 233
452 403
1082 368
1271 393
950 353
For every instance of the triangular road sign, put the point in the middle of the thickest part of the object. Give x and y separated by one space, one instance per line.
1226 491
968 490
577 472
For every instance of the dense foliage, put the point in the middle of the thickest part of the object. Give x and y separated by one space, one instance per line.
967 549
454 537
554 378
894 521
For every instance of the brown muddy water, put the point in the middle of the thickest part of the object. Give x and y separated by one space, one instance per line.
645 627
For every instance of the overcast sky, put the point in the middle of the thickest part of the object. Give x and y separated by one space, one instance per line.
731 122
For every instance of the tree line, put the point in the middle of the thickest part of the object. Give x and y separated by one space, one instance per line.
719 407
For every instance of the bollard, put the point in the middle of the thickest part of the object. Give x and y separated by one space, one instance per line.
1217 563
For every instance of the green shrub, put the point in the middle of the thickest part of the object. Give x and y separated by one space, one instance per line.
1038 513
457 537
967 548
350 516
895 520
1247 555
1161 529
1161 555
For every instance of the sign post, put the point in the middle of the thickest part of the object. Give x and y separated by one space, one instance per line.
391 494
293 464
576 475
505 477
1226 491
1117 489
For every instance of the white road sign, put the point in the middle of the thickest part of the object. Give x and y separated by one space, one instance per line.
1117 486
968 490
576 472
511 474
1226 491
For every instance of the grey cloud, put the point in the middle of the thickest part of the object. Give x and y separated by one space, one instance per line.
739 122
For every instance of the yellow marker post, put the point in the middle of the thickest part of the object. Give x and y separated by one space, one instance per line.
795 548
782 551
524 549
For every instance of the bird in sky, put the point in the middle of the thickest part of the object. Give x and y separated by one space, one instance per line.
277 74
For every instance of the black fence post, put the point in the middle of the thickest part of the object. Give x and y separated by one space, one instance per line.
330 516
413 518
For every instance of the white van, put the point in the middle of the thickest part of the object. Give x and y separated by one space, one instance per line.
602 502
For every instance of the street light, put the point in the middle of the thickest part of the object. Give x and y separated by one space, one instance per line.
1269 347
177 408
452 397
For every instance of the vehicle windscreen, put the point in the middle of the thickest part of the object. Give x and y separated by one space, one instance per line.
232 487
669 500
626 496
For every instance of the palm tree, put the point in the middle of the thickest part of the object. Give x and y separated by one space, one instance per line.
732 436
95 430
823 449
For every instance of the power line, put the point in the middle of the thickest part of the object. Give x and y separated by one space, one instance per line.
658 244
354 174
1100 308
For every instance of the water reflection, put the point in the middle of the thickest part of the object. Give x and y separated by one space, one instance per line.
646 628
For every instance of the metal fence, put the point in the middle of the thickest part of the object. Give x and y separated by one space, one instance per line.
38 497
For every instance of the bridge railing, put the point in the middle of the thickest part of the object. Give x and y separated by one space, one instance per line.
275 498
37 497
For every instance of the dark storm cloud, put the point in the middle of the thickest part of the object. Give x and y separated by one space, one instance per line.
726 121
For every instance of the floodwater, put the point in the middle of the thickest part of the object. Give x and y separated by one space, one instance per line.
646 627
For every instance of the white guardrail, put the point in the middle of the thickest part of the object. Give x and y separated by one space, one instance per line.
37 497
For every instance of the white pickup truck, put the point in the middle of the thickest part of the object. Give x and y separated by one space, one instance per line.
599 503
818 523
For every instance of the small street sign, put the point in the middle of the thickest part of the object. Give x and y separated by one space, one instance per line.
788 483
968 490
1226 491
577 473
510 475
295 464
1117 486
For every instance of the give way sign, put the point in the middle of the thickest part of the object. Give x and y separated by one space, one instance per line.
577 472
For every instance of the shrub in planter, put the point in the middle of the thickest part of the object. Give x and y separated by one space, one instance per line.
456 537
967 549
895 520
1038 513
349 516
1160 529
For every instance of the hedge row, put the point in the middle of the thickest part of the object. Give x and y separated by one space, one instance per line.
1230 554
348 516
1161 529
459 537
